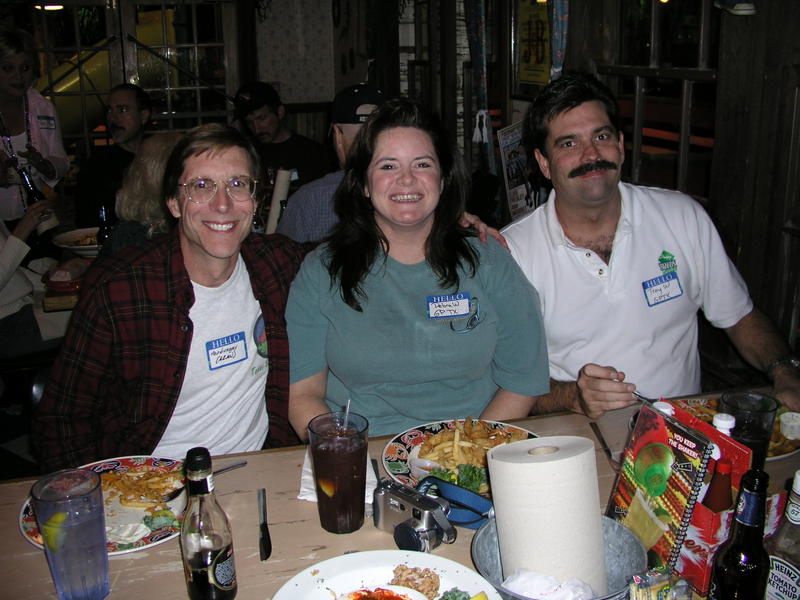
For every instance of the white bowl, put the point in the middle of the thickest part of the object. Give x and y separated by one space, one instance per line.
67 241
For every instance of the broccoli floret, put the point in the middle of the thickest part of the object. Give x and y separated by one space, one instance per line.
445 475
454 594
161 518
471 477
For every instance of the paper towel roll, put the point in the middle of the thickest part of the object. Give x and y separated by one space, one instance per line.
546 504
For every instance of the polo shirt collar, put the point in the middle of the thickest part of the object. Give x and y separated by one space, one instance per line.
556 232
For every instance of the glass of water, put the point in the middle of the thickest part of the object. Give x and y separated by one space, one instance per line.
69 512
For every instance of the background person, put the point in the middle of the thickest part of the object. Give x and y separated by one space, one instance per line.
28 125
141 211
622 269
361 311
24 327
309 214
181 342
263 115
99 179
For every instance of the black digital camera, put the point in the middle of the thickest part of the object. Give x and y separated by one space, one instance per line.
419 522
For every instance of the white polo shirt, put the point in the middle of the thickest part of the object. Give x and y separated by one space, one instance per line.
637 314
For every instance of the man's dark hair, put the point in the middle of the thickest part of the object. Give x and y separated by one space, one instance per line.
212 138
357 241
143 100
568 91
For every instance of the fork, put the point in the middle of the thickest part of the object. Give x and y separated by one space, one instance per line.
179 490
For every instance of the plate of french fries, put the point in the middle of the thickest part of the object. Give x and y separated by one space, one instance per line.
452 450
705 408
136 515
82 242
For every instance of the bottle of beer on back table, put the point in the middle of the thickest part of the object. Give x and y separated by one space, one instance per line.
206 541
741 564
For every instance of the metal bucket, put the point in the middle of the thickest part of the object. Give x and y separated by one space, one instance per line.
625 557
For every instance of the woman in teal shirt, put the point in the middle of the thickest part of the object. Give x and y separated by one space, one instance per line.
401 310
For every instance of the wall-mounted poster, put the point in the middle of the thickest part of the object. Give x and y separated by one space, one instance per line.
519 192
530 47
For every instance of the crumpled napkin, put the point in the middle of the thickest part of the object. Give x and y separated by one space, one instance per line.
308 491
536 585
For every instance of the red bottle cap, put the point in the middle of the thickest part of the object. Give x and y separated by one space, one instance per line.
723 467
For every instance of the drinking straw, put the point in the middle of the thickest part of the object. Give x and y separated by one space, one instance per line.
346 414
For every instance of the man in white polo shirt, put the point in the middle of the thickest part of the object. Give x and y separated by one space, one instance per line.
622 270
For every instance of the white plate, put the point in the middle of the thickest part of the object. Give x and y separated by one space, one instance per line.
67 241
401 455
344 574
118 517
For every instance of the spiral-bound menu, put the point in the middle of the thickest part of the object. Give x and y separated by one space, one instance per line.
663 466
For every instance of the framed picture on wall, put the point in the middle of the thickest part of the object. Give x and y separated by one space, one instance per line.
530 48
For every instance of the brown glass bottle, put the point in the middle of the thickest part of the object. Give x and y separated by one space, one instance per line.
718 495
206 541
741 564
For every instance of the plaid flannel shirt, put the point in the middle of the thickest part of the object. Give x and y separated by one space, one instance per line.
120 370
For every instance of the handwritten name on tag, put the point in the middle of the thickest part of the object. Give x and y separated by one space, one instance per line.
46 122
661 289
449 306
227 350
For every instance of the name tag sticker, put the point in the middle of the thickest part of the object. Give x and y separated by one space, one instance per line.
227 350
660 289
46 122
450 306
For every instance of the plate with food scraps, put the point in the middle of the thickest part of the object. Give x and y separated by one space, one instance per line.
439 448
705 408
82 242
348 577
135 516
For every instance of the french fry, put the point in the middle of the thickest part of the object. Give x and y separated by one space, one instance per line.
466 443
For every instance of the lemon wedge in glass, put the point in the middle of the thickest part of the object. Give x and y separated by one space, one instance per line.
52 530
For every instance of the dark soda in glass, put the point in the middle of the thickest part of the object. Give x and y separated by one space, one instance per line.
339 457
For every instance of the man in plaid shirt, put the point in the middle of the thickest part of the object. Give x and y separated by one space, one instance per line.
182 342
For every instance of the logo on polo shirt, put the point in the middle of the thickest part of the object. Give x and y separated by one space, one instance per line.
666 262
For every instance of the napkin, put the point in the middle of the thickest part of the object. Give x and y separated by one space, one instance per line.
308 491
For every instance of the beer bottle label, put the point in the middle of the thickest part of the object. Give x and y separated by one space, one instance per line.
750 509
223 570
784 580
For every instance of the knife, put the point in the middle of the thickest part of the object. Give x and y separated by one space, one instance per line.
264 541
604 445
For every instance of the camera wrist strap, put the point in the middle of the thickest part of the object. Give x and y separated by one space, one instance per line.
467 509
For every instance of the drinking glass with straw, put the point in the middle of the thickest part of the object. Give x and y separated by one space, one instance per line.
338 443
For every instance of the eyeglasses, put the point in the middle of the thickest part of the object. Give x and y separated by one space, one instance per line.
200 190
469 322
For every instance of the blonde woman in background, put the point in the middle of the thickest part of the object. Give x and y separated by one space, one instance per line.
141 212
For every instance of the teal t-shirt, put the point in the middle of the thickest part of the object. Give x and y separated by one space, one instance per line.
399 366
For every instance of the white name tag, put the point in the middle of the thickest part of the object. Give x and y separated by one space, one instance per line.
662 288
449 306
46 122
227 350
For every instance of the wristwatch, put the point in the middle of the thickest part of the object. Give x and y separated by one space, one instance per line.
783 361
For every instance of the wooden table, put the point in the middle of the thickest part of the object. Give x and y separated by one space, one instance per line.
298 540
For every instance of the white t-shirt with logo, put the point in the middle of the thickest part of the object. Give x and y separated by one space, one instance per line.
221 405
638 313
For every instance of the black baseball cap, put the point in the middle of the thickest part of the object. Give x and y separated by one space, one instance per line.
252 96
348 101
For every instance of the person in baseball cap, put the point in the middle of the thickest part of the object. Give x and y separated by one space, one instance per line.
259 108
309 213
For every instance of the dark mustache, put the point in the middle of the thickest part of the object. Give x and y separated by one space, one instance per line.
598 165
